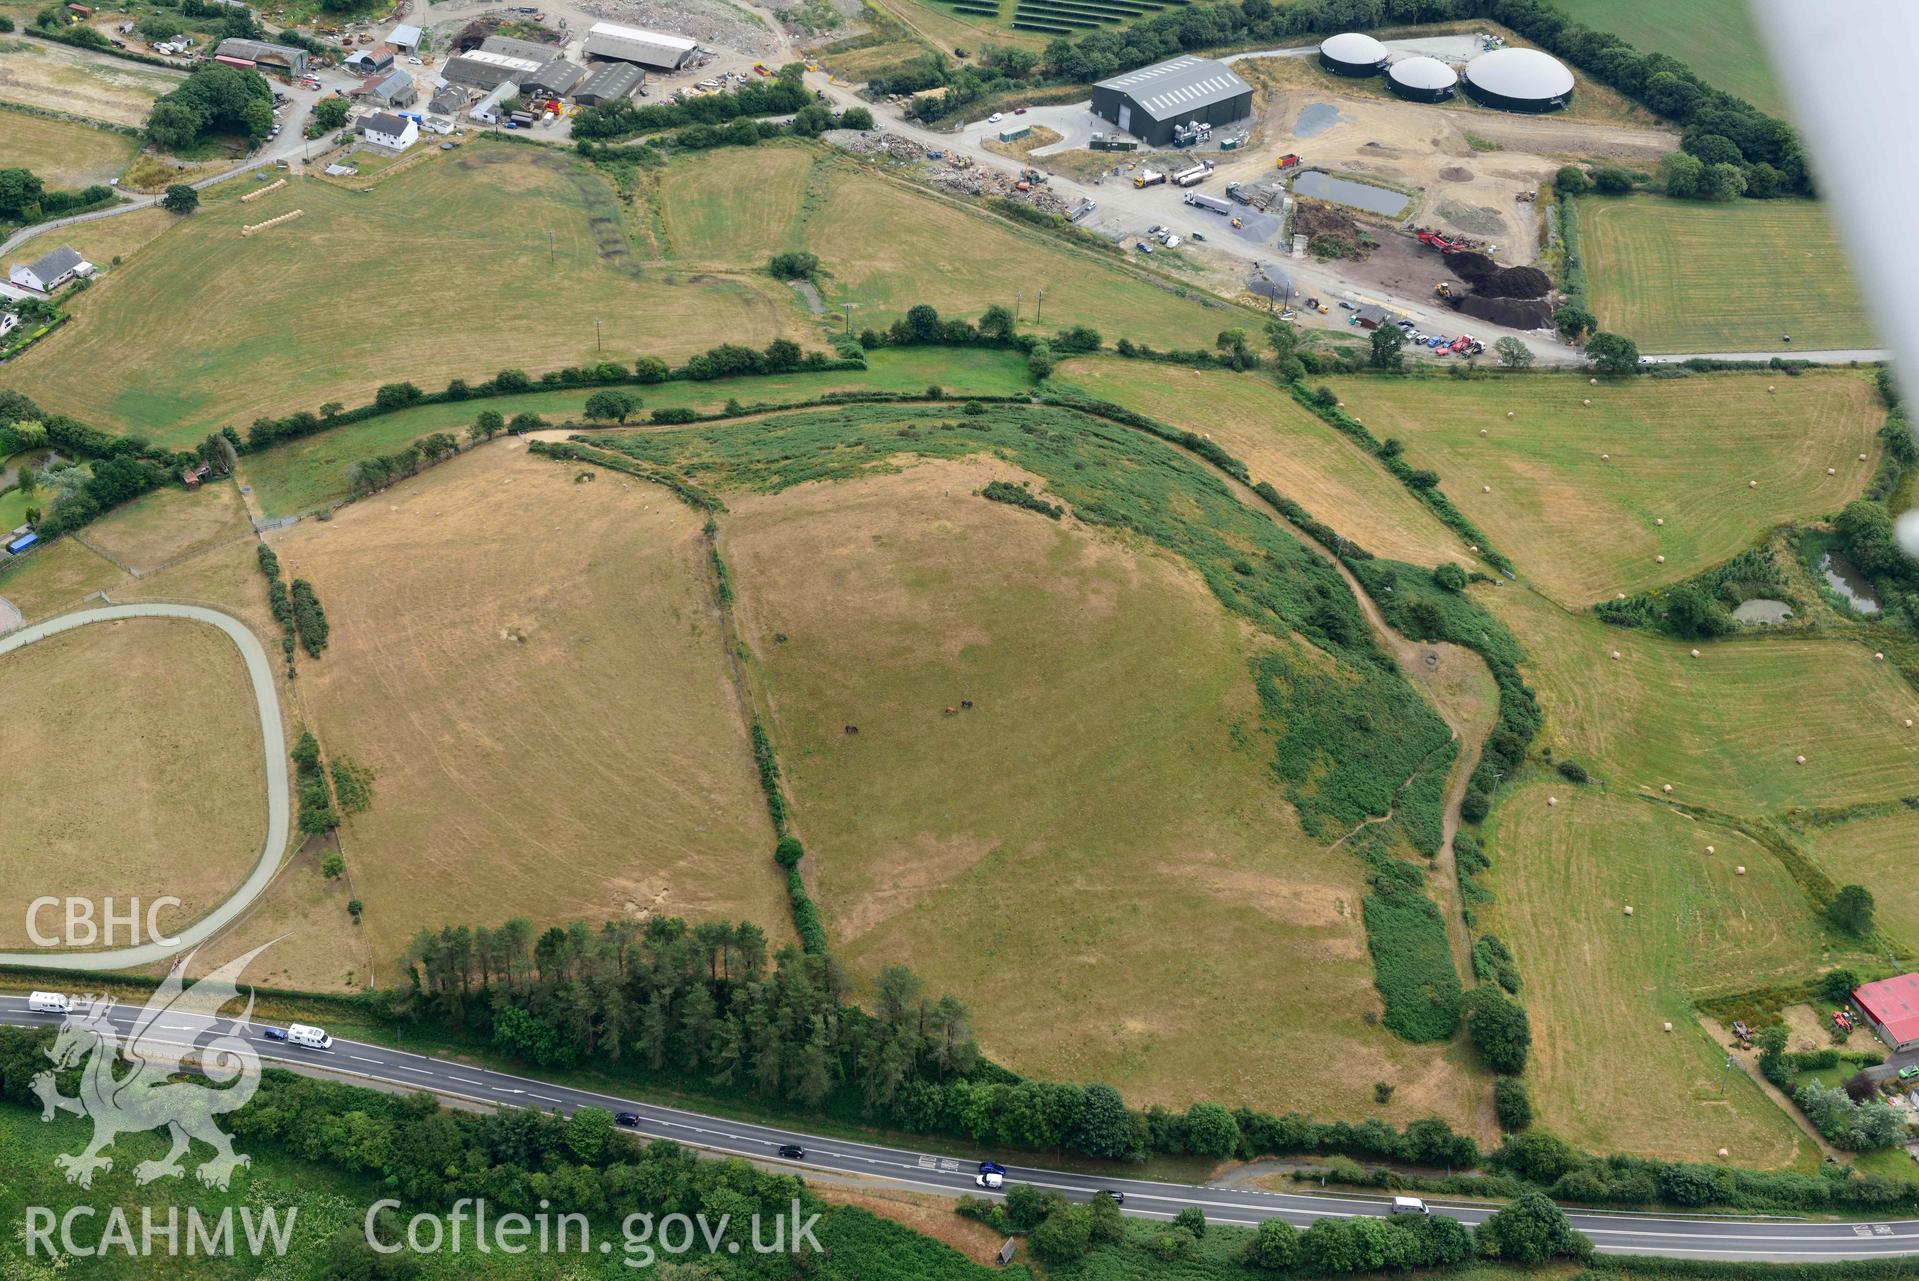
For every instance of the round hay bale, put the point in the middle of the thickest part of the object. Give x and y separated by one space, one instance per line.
1659 560
1878 657
1666 787
1485 489
1724 1153
1586 402
1770 387
1709 849
1752 484
1619 596
1605 458
1484 432
1832 471
1552 800
1472 547
1908 722
1862 458
1695 653
1740 870
1593 381
1668 1027
1659 520
1799 760
1615 656
1509 413
1628 909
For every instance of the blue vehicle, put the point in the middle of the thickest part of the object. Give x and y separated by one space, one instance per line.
21 543
274 1033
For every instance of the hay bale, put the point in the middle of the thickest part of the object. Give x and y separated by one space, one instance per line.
1552 800
1862 458
1659 560
1668 1027
1832 471
1723 1154
1593 381
1485 489
1605 458
1659 520
1740 870
1615 656
1509 414
1799 759
1709 849
1484 432
1695 653
1752 484
1878 657
1586 402
1666 788
1629 909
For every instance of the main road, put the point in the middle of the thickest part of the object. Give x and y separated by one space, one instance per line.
1669 1235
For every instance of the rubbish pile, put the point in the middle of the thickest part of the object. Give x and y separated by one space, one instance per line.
872 142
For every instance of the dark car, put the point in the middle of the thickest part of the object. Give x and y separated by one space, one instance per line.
991 1167
1119 1198
792 1151
274 1033
629 1119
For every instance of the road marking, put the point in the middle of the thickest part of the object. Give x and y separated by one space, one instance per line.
463 1081
362 1058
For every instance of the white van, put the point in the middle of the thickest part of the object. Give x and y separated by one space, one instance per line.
50 1003
312 1037
1409 1205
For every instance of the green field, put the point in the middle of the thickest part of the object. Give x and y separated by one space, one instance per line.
1601 985
1128 780
1878 851
63 153
1686 276
1718 39
1307 461
303 474
352 295
1574 493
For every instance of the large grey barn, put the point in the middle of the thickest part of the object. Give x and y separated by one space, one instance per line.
1151 102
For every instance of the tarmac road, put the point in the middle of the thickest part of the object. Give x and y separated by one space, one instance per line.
1669 1235
273 737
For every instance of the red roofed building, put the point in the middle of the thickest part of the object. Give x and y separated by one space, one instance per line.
1892 1007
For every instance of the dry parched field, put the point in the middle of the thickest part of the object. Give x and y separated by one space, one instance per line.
532 668
170 524
1575 493
1600 985
63 153
1301 456
1688 276
268 338
1095 855
1878 852
36 73
137 771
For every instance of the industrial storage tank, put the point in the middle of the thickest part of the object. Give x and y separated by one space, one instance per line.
1422 79
1519 80
1352 54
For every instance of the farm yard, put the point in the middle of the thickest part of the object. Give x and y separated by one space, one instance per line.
63 153
1303 458
1577 491
1687 276
302 474
549 721
145 776
1600 985
271 346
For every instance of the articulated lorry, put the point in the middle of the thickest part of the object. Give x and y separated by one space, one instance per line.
1213 203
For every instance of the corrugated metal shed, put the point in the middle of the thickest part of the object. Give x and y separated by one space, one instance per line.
612 82
632 44
1178 85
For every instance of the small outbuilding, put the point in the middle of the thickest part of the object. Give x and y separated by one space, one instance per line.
1352 53
394 89
1422 79
1519 80
1152 102
612 82
1892 1008
405 37
262 53
369 61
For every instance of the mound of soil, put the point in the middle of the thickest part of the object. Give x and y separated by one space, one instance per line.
1514 313
1313 218
1490 280
1453 173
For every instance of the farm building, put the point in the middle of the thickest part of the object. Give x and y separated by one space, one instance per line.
652 49
1152 102
555 78
449 100
1519 80
279 57
371 61
610 83
394 89
512 47
405 37
1422 79
1892 1007
1352 53
484 70
395 133
47 273
487 109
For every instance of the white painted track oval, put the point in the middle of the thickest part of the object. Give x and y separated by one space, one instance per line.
273 743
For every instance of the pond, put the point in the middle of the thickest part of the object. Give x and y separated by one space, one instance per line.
1848 583
1762 611
1344 191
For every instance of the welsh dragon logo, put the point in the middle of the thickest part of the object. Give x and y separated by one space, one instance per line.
177 1026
